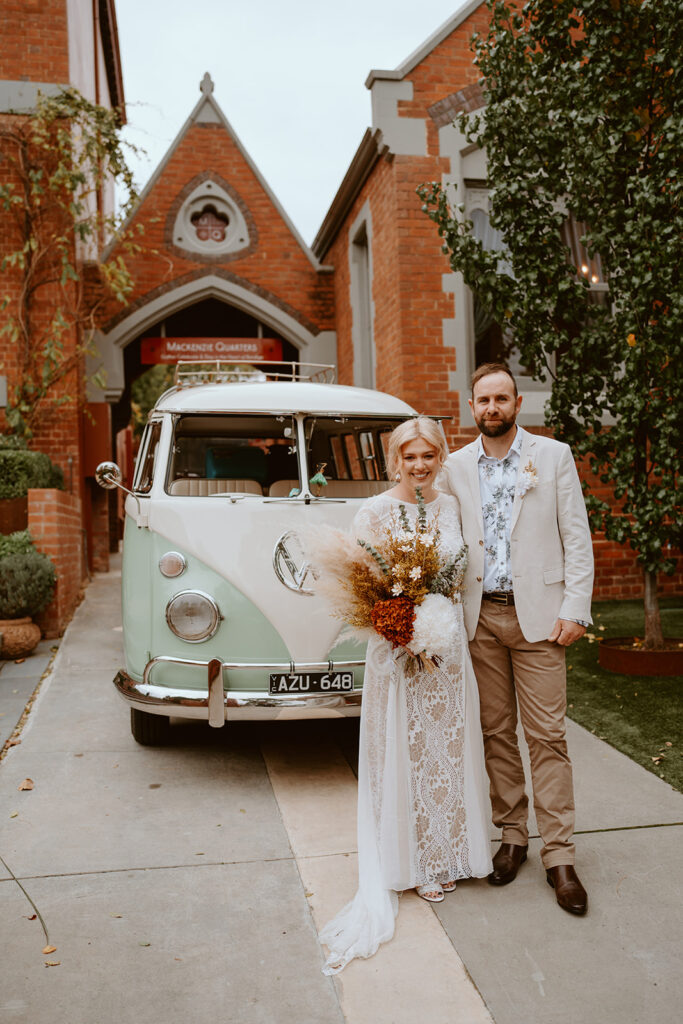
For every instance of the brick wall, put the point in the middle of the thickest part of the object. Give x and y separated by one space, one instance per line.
35 42
276 266
54 521
409 302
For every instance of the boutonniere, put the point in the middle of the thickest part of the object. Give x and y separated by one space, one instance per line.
527 479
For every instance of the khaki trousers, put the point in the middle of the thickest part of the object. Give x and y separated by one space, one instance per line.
512 672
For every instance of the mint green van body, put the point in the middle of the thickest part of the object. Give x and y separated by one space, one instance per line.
220 617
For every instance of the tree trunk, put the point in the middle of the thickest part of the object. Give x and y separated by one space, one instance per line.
653 623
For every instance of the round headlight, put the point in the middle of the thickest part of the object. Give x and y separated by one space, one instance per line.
193 616
172 564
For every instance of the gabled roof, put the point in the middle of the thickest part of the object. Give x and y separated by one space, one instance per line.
426 48
372 147
207 110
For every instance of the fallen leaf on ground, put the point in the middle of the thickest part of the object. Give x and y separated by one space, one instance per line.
19 661
53 963
668 743
49 949
26 784
14 814
144 943
116 915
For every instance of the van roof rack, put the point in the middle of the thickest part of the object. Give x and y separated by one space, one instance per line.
189 372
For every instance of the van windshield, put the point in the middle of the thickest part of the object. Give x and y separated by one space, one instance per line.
258 454
350 452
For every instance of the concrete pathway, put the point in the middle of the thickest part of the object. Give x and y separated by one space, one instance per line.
187 884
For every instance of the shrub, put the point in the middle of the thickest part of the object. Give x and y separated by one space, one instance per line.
18 543
21 469
27 584
13 442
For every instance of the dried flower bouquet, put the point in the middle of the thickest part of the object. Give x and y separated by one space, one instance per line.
400 585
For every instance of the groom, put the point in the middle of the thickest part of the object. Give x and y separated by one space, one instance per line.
527 597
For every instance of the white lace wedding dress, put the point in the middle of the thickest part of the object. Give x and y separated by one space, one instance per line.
423 810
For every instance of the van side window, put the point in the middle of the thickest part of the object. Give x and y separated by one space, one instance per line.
150 447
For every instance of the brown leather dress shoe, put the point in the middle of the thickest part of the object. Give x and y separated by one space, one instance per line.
506 863
569 892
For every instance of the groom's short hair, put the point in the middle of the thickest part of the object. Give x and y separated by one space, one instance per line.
487 368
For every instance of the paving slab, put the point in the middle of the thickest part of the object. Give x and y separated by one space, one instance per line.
33 664
17 683
418 976
16 693
106 811
620 964
80 710
201 944
610 790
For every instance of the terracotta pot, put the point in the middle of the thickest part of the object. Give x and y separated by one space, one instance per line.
18 637
617 654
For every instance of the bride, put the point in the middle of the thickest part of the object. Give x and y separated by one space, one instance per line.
422 792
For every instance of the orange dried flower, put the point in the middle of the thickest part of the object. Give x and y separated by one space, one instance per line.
393 619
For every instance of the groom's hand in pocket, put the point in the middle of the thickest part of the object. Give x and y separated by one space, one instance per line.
565 632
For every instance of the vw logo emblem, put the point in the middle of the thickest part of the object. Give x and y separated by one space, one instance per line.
289 562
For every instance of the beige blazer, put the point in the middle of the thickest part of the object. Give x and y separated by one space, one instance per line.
551 549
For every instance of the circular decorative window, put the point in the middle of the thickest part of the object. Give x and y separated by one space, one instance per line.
210 222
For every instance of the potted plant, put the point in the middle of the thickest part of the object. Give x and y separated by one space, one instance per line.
20 470
27 585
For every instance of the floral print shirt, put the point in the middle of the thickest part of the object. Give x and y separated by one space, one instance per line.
497 481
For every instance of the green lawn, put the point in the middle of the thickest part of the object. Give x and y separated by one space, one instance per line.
640 715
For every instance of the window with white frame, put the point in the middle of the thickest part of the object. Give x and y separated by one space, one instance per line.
361 306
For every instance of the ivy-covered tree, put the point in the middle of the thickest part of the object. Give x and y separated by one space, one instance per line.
59 164
582 119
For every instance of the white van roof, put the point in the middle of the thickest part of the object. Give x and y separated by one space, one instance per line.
282 397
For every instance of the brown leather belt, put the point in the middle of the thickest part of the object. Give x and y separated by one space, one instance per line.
499 597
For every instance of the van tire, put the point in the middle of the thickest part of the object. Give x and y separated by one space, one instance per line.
149 730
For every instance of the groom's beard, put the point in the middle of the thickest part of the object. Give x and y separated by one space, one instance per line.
495 427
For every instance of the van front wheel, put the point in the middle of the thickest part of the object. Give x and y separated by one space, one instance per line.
149 730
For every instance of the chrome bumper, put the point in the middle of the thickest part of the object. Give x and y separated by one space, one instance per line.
218 705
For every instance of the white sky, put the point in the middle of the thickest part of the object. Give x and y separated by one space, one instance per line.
289 77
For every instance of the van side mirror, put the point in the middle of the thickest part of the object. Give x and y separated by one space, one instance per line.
108 475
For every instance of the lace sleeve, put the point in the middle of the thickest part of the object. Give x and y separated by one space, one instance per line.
367 520
449 523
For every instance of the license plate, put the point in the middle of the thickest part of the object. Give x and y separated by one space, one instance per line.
311 682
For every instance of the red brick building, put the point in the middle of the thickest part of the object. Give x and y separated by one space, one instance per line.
45 46
374 293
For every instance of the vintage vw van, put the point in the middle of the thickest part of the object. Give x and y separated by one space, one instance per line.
219 617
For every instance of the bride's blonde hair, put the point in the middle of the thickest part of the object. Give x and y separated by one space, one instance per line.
411 430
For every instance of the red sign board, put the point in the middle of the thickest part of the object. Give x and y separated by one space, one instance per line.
228 350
